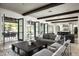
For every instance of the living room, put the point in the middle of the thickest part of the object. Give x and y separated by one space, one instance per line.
43 29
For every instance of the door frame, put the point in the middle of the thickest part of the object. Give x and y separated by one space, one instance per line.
3 19
22 29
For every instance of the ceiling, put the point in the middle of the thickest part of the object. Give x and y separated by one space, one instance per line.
21 7
57 10
46 10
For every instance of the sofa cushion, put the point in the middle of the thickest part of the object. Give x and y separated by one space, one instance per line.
43 52
52 49
49 36
46 36
46 41
55 45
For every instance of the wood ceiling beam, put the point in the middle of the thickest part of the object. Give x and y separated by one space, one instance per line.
62 19
42 8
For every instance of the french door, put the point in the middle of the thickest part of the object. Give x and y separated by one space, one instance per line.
3 27
20 29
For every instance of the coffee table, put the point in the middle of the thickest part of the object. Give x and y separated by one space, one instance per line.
28 49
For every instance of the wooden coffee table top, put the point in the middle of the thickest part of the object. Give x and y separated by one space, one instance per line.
27 48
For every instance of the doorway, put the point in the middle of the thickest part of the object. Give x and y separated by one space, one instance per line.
13 29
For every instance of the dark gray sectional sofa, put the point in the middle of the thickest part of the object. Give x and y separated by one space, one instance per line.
48 38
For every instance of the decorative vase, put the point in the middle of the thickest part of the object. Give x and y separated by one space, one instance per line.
29 43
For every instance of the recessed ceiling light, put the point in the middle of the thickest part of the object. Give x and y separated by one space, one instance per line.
50 11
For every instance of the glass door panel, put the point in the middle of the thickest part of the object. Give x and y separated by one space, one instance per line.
41 29
30 30
46 28
20 29
37 29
